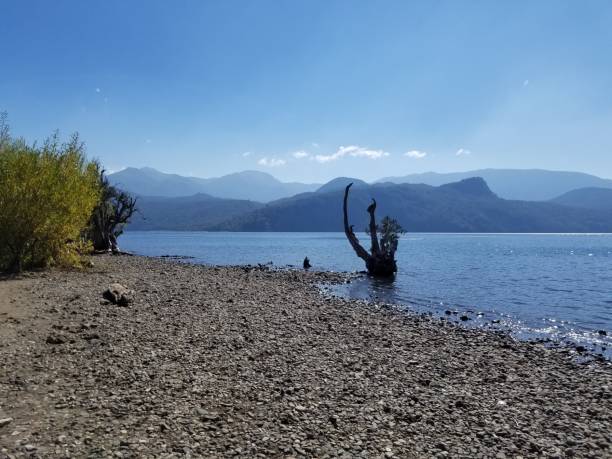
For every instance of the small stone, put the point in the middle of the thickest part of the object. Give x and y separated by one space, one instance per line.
602 333
56 338
29 447
463 318
5 421
207 415
90 336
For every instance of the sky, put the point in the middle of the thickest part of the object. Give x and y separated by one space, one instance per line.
309 90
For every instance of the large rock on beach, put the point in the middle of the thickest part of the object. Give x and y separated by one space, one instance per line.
118 294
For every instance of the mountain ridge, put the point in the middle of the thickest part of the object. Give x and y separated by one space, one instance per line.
466 206
520 184
250 185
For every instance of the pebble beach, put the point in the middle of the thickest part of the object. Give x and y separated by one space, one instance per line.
253 362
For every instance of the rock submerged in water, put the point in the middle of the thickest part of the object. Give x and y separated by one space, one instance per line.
118 294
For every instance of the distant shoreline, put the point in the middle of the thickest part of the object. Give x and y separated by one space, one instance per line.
407 234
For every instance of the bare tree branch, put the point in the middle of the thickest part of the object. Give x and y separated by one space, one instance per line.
348 230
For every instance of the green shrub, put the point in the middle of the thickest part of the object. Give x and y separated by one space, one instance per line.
47 195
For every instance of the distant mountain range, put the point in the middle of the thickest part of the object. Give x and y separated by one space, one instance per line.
253 185
465 206
526 185
521 184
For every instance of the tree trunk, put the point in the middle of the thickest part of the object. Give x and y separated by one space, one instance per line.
373 229
348 230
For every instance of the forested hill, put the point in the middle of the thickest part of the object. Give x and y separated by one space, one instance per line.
191 213
589 198
465 206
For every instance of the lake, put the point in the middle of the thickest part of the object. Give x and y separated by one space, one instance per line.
550 286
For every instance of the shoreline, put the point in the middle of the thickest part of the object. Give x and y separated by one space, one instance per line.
568 348
238 361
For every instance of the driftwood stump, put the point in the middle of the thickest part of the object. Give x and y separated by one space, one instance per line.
379 262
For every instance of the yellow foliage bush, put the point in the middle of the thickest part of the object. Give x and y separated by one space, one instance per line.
47 195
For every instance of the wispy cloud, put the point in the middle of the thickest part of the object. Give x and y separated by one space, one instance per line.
148 141
463 152
352 151
246 154
300 154
525 83
416 154
315 145
271 162
97 90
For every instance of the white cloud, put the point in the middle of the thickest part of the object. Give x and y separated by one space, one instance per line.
525 83
246 154
416 154
97 89
271 162
463 152
353 151
300 154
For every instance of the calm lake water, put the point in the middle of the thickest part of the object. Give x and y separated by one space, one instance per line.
536 285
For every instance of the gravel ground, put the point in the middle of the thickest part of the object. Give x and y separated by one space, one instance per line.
220 362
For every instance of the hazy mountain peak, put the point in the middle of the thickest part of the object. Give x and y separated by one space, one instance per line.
475 186
340 183
251 175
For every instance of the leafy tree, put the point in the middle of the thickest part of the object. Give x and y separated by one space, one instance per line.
389 231
113 212
47 194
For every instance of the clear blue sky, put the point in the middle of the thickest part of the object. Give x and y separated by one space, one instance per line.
309 90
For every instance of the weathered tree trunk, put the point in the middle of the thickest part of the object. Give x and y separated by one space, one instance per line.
113 212
348 230
373 229
378 263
